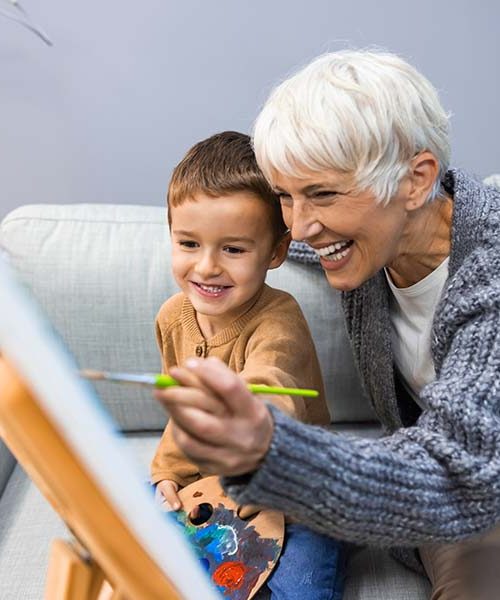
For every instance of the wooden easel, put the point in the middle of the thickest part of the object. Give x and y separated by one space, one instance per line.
106 549
72 574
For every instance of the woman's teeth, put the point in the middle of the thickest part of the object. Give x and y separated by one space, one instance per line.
335 251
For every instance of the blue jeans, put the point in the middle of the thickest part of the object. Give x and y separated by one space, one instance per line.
311 567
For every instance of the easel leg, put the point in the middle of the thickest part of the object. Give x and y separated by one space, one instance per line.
70 576
107 593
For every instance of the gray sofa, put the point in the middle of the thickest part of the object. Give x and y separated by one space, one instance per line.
101 272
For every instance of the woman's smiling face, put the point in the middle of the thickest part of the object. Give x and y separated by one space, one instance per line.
353 234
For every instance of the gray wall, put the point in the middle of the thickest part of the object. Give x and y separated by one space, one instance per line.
105 114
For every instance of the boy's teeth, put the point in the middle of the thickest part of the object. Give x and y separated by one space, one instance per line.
211 288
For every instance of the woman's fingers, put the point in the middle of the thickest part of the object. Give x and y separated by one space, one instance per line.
219 460
224 383
188 378
241 434
219 424
201 425
189 396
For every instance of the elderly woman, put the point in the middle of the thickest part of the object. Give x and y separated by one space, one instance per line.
356 146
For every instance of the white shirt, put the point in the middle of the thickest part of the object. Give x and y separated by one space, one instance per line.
412 312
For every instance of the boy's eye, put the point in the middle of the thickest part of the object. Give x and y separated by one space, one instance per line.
188 244
233 250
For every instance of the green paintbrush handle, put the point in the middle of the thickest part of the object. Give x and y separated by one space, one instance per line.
164 381
257 388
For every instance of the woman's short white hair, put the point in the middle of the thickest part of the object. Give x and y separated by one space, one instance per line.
360 112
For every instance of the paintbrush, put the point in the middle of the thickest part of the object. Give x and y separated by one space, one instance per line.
165 381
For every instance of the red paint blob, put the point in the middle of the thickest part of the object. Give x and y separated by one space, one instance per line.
230 575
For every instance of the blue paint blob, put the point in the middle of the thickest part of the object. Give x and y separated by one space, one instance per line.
205 563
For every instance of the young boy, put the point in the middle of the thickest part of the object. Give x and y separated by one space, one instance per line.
227 231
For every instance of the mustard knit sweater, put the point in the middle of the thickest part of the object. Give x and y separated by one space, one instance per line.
270 344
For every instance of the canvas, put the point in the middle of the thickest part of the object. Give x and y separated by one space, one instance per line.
64 438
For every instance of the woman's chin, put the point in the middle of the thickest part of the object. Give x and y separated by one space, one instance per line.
341 281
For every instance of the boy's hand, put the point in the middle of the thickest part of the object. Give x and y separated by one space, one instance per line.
220 425
166 491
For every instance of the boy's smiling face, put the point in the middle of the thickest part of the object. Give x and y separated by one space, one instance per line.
221 250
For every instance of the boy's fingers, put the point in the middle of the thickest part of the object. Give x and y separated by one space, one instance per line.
169 494
248 510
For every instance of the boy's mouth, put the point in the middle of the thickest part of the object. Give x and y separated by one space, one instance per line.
210 290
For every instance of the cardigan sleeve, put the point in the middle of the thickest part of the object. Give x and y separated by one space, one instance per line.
437 481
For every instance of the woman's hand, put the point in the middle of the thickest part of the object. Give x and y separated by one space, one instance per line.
219 424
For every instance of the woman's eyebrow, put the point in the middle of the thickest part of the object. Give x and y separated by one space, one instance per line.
310 189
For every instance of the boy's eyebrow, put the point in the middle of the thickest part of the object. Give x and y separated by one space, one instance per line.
239 238
183 232
229 239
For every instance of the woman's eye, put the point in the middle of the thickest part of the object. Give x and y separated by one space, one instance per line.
188 244
233 250
323 195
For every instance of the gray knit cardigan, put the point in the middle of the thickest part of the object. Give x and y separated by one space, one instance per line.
434 476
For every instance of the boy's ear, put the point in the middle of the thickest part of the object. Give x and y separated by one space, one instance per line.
280 251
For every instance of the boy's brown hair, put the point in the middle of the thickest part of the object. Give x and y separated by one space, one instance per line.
223 164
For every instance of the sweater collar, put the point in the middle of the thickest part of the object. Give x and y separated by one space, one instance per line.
192 329
367 307
471 205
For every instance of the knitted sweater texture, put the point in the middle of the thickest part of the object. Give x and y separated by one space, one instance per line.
434 476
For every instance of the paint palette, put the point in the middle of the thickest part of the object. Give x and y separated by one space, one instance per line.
237 553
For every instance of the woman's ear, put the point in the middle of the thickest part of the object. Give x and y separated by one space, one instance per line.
424 170
280 251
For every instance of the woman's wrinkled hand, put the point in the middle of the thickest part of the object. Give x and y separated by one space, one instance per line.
220 425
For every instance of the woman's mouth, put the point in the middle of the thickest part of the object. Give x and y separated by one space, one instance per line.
334 252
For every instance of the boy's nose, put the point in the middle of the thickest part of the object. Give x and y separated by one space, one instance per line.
208 266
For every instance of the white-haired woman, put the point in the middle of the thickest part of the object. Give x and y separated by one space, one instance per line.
356 145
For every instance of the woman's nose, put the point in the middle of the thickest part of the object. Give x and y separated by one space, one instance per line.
305 224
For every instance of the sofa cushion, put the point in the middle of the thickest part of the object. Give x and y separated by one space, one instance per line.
374 575
28 525
7 462
102 271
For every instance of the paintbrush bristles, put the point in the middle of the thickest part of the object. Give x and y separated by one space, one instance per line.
91 374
